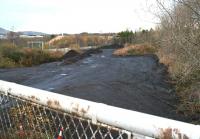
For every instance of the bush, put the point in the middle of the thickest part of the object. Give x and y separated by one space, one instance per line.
6 63
11 56
179 49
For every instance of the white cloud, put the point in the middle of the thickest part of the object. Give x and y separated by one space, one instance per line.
74 16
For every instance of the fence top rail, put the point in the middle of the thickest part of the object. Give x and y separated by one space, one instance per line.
135 122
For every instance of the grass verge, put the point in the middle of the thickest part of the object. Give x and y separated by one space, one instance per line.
138 49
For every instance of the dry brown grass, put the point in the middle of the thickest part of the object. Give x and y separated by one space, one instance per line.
75 47
187 85
167 59
11 56
138 49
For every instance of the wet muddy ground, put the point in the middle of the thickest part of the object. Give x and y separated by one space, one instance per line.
136 83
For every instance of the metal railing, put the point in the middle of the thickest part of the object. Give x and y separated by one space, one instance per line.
31 113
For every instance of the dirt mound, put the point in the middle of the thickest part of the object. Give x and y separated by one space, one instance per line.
74 56
71 53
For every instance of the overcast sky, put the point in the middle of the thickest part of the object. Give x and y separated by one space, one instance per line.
75 16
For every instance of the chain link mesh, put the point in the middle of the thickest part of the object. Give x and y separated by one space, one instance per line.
21 119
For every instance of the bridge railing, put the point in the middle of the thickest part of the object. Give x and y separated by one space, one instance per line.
27 112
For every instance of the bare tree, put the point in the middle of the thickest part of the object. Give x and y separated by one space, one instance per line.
179 37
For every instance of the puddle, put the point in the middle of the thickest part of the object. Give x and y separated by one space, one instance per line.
63 74
94 66
50 89
87 61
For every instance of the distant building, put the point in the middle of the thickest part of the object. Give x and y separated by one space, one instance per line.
31 36
2 36
36 44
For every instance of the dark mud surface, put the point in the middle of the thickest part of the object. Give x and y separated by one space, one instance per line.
136 83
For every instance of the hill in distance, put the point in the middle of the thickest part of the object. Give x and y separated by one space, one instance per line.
29 33
32 33
3 31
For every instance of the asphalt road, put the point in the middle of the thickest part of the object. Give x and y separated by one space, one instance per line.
136 83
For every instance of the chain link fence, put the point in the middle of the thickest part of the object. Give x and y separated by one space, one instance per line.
24 119
29 113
